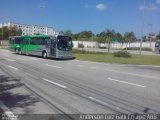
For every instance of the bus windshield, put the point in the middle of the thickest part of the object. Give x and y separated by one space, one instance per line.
64 43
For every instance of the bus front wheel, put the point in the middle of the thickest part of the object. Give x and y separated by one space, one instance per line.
19 52
16 51
44 54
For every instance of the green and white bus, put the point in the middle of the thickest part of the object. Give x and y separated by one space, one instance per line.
59 46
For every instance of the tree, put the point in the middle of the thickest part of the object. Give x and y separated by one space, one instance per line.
75 36
101 37
67 32
14 31
5 32
109 36
85 35
129 37
126 38
118 36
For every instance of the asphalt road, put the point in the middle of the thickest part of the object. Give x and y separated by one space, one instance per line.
74 86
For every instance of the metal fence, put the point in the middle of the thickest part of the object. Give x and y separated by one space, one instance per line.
4 42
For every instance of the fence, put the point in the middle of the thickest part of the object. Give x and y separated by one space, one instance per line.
4 43
116 45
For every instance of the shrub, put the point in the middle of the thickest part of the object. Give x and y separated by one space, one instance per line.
102 47
137 48
80 46
122 54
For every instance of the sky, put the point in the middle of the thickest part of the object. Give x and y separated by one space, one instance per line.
78 15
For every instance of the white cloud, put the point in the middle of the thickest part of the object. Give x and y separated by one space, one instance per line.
101 6
158 2
150 7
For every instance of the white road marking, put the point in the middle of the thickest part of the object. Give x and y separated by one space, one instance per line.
53 66
34 58
126 82
133 74
29 74
21 59
6 55
93 68
11 60
7 112
57 84
156 66
77 60
104 103
79 65
13 67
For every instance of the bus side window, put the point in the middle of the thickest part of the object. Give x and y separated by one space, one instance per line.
21 41
48 41
40 41
44 41
11 40
32 42
16 40
54 43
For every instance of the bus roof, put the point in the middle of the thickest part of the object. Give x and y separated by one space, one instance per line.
39 36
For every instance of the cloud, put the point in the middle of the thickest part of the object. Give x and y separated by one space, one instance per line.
101 6
150 7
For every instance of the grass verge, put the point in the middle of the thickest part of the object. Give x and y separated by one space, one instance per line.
109 58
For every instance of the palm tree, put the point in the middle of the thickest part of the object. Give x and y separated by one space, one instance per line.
129 37
126 38
109 36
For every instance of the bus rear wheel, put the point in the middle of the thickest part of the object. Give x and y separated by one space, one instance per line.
44 54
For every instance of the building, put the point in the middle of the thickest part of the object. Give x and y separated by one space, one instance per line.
31 29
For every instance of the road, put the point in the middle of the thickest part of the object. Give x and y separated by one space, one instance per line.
73 86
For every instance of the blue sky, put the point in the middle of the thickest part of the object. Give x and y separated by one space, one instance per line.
78 15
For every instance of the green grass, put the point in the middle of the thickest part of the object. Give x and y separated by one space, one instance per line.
109 58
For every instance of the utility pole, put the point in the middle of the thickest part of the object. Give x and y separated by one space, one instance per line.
150 35
2 30
142 29
42 7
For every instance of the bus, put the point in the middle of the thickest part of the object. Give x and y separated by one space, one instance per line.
157 46
59 46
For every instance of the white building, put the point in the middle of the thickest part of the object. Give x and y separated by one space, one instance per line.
31 29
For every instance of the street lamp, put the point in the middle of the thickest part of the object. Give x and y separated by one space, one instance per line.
42 7
150 34
142 29
2 17
2 27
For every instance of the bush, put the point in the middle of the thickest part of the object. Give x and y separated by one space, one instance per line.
137 48
122 54
80 46
102 47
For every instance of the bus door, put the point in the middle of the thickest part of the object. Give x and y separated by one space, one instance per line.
53 47
26 46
